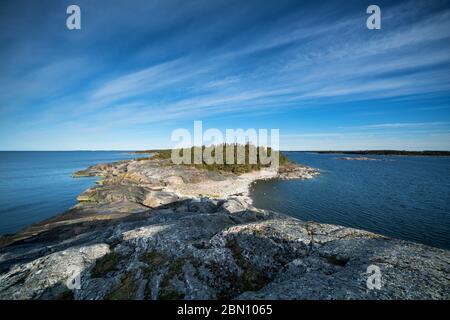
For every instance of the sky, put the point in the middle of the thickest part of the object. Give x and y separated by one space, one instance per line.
139 69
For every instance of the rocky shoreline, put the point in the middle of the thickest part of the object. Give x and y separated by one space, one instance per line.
152 230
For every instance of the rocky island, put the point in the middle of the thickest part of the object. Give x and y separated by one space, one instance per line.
356 159
154 230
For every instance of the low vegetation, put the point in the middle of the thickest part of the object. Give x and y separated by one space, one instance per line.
154 260
106 264
251 279
224 165
125 291
167 291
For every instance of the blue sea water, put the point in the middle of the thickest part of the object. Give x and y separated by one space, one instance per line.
398 196
402 197
38 185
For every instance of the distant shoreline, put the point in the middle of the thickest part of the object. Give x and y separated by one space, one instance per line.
387 153
435 153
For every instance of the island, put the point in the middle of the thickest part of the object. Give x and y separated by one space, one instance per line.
357 159
150 229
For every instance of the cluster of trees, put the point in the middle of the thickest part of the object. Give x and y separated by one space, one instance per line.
235 158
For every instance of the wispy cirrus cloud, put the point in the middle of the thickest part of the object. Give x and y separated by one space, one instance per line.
407 125
218 59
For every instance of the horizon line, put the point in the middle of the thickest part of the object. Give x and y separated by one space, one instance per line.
159 149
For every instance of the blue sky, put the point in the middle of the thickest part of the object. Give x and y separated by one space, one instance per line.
139 69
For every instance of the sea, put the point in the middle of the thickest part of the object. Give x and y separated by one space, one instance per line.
36 185
405 197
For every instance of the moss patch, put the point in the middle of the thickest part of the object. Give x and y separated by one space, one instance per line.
166 289
154 261
105 264
251 279
125 291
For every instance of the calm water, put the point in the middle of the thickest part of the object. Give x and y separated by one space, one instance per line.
401 197
37 185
